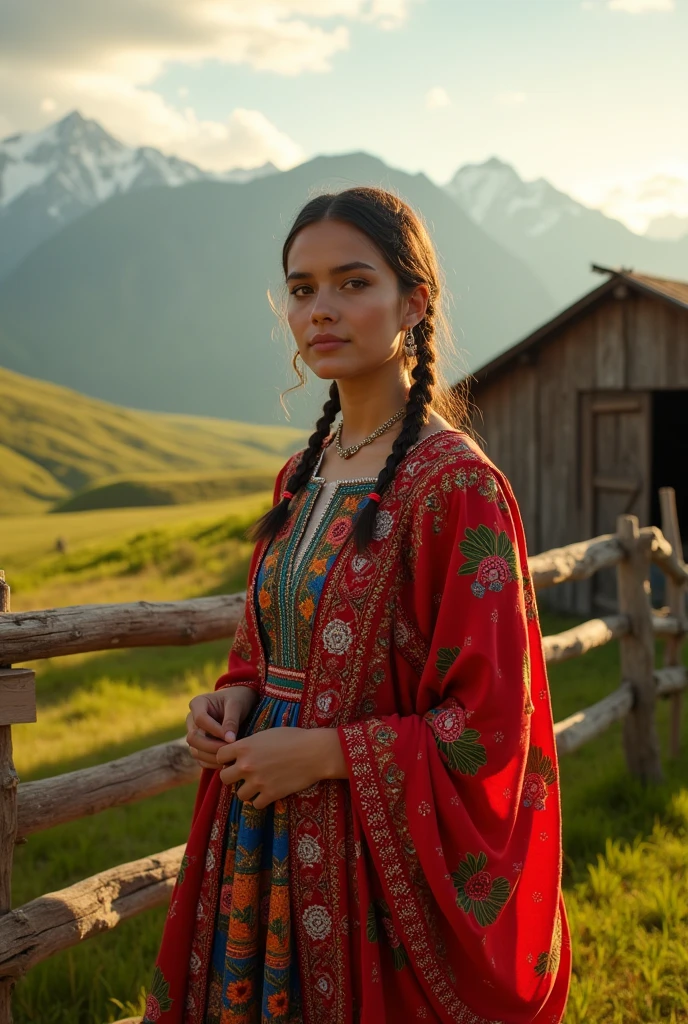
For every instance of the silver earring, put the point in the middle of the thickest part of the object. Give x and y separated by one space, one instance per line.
410 348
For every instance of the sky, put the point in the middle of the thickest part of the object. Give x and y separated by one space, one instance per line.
589 94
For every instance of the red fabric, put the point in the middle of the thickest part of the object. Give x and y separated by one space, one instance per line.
436 893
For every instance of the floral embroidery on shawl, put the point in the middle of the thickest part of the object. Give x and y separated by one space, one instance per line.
491 556
158 1000
548 962
540 773
242 643
458 744
477 892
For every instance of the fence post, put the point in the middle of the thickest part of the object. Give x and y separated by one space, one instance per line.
17 704
637 650
676 600
8 820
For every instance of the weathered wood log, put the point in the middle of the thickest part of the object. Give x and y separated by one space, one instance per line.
25 636
8 812
51 802
585 725
17 696
676 595
580 639
65 918
663 554
666 625
670 680
575 561
637 654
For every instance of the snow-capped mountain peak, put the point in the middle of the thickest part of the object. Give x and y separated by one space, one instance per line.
77 160
494 192
50 177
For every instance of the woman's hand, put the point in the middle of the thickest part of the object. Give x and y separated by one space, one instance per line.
274 763
218 714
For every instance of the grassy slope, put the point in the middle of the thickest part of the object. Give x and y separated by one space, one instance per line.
629 912
63 442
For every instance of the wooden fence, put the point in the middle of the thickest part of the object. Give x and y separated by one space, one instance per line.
62 919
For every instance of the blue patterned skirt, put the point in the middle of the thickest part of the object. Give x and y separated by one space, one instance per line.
254 976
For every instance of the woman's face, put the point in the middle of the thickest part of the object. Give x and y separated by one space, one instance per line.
340 284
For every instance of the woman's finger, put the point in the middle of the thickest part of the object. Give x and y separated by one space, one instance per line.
203 759
201 741
247 792
228 752
201 708
231 774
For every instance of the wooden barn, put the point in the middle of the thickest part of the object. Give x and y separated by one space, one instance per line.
588 417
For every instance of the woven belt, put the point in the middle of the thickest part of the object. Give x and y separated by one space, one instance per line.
284 683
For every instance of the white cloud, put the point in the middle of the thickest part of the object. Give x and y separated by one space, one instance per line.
510 99
105 59
436 97
639 200
48 105
641 6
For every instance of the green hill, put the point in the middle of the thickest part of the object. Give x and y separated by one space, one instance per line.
173 489
63 450
157 299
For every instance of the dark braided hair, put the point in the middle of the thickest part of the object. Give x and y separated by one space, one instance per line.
401 237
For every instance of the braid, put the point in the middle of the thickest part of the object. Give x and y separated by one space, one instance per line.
419 400
274 519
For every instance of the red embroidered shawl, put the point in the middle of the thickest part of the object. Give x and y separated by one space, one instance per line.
436 895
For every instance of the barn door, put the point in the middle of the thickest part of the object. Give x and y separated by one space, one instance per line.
616 470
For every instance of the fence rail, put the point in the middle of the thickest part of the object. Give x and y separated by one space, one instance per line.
58 920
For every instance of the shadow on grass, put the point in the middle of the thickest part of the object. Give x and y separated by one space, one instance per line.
57 679
109 752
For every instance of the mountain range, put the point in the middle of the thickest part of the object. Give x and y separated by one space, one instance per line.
50 177
156 299
554 234
142 280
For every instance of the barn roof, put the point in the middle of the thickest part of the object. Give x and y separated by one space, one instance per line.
671 291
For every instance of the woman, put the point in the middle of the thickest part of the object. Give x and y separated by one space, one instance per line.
395 854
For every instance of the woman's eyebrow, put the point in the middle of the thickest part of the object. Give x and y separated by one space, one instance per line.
356 265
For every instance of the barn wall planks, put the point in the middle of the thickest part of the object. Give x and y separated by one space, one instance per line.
532 415
509 430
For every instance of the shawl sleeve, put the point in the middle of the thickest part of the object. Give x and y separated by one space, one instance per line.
458 802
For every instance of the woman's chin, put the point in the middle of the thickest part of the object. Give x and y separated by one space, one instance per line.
332 367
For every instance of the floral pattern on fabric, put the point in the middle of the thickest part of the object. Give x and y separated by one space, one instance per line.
477 892
378 915
490 556
288 594
253 972
242 643
158 1000
540 773
458 744
548 962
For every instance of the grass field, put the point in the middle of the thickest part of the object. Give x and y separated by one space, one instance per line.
57 443
626 847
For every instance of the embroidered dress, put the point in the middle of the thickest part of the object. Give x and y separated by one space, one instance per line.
427 884
254 962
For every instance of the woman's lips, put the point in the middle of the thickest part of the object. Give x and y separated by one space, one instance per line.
327 346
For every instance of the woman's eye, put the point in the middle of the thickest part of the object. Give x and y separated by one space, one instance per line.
352 280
